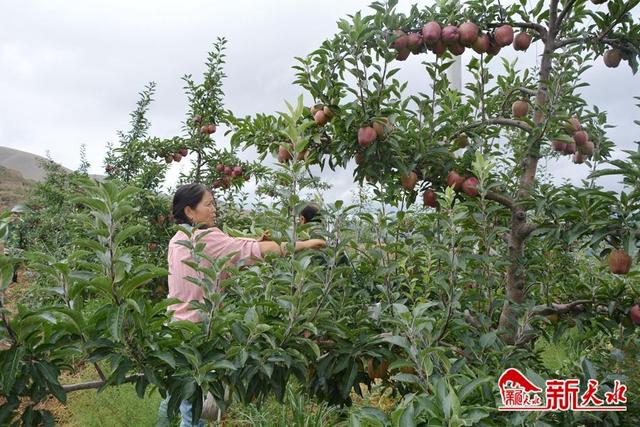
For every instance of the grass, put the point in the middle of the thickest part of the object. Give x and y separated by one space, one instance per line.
115 406
120 406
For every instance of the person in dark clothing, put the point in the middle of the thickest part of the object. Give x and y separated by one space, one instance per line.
311 213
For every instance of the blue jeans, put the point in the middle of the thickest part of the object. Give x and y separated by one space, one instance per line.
185 412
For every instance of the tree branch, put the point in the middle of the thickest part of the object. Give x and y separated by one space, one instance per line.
96 384
500 198
494 121
564 13
527 229
557 308
592 38
99 371
470 318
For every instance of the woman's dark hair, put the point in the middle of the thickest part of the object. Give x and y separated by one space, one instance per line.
187 195
310 213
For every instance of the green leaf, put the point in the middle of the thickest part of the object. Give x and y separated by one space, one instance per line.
128 232
12 359
487 339
117 322
397 340
217 365
167 358
345 388
140 279
406 378
407 419
588 369
471 386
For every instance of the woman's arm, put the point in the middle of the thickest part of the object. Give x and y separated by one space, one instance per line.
273 247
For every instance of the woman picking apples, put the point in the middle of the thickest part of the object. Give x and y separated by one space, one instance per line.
193 205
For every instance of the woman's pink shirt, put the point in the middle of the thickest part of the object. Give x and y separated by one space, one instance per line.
217 245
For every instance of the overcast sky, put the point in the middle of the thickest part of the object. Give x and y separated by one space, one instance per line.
71 71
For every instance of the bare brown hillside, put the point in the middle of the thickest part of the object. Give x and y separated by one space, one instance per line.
14 188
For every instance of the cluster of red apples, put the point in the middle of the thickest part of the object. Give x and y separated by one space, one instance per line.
227 173
577 144
438 39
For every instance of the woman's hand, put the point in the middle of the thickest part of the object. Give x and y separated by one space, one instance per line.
266 236
315 244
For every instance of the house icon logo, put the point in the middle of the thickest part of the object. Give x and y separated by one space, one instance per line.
518 392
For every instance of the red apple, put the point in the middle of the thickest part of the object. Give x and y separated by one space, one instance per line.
409 180
177 157
168 159
634 313
468 33
303 155
470 185
220 168
456 49
152 246
211 128
359 158
520 108
430 199
619 261
366 136
569 148
283 154
580 137
183 152
402 40
380 125
558 145
414 42
455 180
587 149
402 54
439 48
572 126
197 119
237 171
494 49
481 45
320 118
431 32
228 170
328 112
504 35
579 158
612 57
450 34
522 41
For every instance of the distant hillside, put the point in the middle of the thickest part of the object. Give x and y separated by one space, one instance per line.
27 164
14 188
19 170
